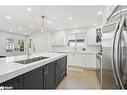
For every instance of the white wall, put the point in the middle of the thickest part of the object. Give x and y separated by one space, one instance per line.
3 38
41 41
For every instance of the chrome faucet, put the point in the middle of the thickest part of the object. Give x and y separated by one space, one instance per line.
30 45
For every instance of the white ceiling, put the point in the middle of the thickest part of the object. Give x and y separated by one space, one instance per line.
82 16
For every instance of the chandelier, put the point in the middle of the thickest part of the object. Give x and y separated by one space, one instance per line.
43 29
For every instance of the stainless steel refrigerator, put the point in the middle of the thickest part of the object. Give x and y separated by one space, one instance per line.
114 50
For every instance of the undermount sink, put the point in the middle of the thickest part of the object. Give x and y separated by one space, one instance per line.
27 61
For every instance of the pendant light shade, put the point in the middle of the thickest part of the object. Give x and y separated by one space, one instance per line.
43 29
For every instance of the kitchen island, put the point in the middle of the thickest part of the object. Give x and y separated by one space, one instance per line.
42 74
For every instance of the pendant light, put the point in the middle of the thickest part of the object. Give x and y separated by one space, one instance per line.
43 29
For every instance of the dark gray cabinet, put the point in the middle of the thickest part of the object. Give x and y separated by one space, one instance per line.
49 75
45 77
15 83
34 79
60 70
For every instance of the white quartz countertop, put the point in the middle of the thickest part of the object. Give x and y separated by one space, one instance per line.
82 52
10 69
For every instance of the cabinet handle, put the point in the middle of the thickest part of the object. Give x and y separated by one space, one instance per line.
45 71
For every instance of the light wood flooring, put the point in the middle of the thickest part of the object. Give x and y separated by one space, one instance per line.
80 79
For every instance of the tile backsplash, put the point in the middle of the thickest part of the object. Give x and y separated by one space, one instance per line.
91 48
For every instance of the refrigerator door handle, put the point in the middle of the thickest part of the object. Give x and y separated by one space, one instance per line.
113 54
117 50
125 36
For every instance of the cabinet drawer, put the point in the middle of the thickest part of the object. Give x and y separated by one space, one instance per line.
84 58
61 62
63 65
58 71
84 61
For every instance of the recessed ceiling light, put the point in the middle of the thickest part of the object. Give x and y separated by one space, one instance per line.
58 28
94 24
74 26
49 22
31 26
99 13
25 34
29 9
20 28
10 30
8 17
70 18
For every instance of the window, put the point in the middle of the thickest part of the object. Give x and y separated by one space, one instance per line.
76 40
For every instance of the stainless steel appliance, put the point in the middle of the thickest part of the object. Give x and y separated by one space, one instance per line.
114 50
98 65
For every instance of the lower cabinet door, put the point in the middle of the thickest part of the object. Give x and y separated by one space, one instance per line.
34 79
60 70
15 83
49 76
57 78
77 60
70 60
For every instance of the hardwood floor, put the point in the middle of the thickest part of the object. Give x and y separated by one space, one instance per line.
80 79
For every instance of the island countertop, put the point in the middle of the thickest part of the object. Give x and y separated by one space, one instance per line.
10 69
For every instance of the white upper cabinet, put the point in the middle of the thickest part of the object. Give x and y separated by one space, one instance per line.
91 36
57 38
